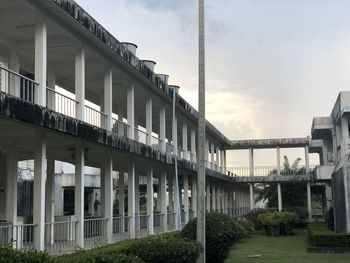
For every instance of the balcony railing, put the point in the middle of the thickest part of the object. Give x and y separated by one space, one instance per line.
140 136
17 236
120 128
266 171
95 117
95 231
121 228
61 103
60 236
171 220
17 85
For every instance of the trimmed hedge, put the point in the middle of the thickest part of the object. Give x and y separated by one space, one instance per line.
221 233
10 255
321 236
278 223
170 250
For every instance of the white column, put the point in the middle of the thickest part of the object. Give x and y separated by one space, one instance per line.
279 192
193 145
150 199
50 195
108 196
163 204
162 129
207 153
80 82
149 121
251 173
131 111
137 202
208 197
121 199
218 159
108 95
51 83
186 210
170 195
14 66
224 161
213 198
79 195
131 197
194 195
11 186
40 61
212 149
184 140
222 166
176 201
307 168
39 195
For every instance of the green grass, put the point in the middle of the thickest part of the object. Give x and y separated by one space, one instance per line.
280 249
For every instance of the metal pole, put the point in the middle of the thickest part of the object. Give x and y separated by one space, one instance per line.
201 134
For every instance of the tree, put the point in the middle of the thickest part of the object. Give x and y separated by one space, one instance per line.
293 194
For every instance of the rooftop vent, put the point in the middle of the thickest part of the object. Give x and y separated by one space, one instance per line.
150 64
164 77
130 46
175 87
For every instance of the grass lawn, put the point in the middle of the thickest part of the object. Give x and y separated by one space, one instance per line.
280 249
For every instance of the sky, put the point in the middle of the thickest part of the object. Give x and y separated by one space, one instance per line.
271 65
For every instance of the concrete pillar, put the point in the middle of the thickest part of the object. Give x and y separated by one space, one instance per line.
150 199
193 145
50 195
217 162
131 198
279 192
108 95
131 111
224 161
186 204
212 158
80 82
163 199
39 194
184 140
222 166
14 66
213 197
162 129
79 195
40 60
137 202
251 173
208 197
170 195
206 153
11 186
176 203
194 196
149 121
309 208
108 196
122 199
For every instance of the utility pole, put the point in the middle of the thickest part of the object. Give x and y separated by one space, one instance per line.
201 134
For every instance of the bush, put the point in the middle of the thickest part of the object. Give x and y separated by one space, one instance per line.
253 217
248 226
221 233
10 255
321 236
111 257
278 223
170 250
302 214
330 218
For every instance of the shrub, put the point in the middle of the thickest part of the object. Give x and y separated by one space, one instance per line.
302 214
10 255
111 257
170 250
253 217
330 218
221 233
278 223
248 226
321 236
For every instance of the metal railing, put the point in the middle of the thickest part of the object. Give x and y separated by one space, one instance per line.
17 85
94 231
17 236
95 117
140 136
61 103
121 228
60 236
142 221
158 220
266 171
120 128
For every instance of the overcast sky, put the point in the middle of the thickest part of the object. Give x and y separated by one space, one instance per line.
271 65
